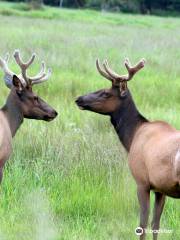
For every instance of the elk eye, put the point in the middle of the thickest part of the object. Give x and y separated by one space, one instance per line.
19 93
107 94
36 98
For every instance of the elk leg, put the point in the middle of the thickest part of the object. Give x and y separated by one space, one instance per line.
144 199
1 174
158 208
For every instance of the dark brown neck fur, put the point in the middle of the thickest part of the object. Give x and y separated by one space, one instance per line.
126 121
13 112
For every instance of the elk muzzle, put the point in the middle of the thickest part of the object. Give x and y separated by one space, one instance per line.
82 103
50 116
79 102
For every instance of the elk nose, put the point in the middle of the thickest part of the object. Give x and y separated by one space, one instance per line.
79 101
55 113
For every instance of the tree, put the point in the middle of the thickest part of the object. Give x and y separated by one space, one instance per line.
61 3
139 6
35 4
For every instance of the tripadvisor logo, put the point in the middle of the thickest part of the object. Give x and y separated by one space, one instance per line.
139 231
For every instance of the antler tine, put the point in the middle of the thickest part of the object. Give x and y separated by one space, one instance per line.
113 74
20 62
22 65
4 66
132 70
8 74
43 78
40 75
102 72
6 59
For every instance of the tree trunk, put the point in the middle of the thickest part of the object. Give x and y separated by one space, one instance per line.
60 3
80 3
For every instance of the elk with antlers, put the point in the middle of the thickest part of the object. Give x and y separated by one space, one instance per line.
21 103
153 147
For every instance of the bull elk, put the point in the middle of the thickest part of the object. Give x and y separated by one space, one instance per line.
153 146
21 103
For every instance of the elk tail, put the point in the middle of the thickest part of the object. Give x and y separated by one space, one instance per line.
177 165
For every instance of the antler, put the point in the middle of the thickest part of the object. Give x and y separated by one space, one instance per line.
23 66
102 71
8 73
108 73
39 78
25 80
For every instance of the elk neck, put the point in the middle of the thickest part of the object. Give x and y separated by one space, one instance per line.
13 112
126 120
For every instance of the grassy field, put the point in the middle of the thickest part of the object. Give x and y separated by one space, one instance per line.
69 179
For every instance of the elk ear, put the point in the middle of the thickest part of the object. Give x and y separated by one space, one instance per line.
17 83
123 94
123 89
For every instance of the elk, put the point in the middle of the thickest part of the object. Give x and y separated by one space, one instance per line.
21 103
153 146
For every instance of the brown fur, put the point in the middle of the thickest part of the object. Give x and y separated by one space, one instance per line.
152 155
153 147
5 140
21 103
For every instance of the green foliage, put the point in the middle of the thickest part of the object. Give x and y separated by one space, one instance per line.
23 7
35 4
115 5
134 6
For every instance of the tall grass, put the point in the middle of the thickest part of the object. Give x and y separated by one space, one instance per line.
69 179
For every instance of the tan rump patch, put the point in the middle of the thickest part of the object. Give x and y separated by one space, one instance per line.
177 163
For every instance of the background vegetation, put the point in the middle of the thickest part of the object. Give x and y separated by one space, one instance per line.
133 6
69 179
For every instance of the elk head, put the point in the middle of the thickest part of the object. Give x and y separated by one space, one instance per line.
107 101
31 105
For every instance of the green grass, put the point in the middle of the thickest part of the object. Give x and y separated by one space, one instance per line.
69 179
